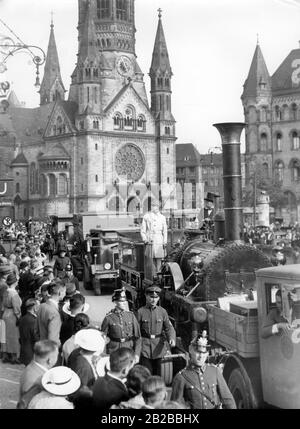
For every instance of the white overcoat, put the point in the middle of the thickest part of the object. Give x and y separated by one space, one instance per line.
154 230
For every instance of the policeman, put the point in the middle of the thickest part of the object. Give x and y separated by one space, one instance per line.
201 385
60 264
157 331
69 277
121 326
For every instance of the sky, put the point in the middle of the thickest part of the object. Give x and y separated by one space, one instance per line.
210 42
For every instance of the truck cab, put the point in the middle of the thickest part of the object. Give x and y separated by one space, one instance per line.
279 353
261 367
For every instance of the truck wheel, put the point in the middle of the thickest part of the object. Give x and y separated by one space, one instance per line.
166 372
96 286
240 390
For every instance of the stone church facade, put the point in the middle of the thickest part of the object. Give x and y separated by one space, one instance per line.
105 147
272 113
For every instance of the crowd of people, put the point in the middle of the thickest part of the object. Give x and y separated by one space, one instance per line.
71 363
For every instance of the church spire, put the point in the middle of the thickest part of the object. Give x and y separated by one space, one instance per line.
161 74
160 56
52 86
87 48
258 81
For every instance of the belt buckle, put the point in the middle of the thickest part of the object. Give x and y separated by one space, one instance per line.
122 340
152 337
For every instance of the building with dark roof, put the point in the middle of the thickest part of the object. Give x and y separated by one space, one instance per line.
105 147
189 193
272 113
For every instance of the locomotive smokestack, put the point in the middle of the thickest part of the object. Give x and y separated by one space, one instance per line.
232 178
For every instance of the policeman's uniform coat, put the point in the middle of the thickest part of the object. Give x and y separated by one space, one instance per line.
123 330
209 379
156 330
59 267
154 229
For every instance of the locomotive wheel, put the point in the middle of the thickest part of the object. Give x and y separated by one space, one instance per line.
96 286
166 372
240 390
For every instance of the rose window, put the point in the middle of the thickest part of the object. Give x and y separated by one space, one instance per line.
130 162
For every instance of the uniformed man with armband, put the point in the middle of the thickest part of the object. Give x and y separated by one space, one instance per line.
201 385
157 332
121 326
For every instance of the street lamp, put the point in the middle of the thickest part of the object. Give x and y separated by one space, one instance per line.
10 46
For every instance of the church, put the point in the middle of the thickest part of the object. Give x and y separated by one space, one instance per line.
104 147
272 113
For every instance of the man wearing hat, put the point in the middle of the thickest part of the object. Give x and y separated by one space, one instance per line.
157 331
201 385
70 278
27 329
121 326
60 264
154 232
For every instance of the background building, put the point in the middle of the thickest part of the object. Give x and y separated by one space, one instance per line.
105 147
272 113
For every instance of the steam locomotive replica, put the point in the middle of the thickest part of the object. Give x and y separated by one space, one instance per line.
197 274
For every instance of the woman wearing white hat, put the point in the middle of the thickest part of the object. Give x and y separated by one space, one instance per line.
90 342
58 383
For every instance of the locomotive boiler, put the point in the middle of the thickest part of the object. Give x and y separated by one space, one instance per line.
198 273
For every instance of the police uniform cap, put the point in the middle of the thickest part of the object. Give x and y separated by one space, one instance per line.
153 291
199 343
119 295
277 248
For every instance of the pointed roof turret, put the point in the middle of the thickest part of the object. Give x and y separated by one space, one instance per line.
51 71
88 42
258 80
160 56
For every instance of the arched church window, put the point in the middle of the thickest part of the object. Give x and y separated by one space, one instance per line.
88 72
168 102
118 121
263 114
167 82
81 125
52 185
295 140
96 125
17 188
95 95
43 185
294 112
263 142
121 10
32 178
128 120
278 142
295 167
102 9
62 184
279 167
95 72
141 123
278 113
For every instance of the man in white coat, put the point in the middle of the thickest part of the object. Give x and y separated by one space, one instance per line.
154 232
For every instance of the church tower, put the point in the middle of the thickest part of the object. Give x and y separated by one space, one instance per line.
161 106
52 87
257 103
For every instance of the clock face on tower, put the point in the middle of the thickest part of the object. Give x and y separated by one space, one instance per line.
124 66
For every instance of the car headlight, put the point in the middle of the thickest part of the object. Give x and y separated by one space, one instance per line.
107 266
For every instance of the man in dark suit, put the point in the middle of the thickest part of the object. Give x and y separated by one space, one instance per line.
111 388
28 333
48 316
45 357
